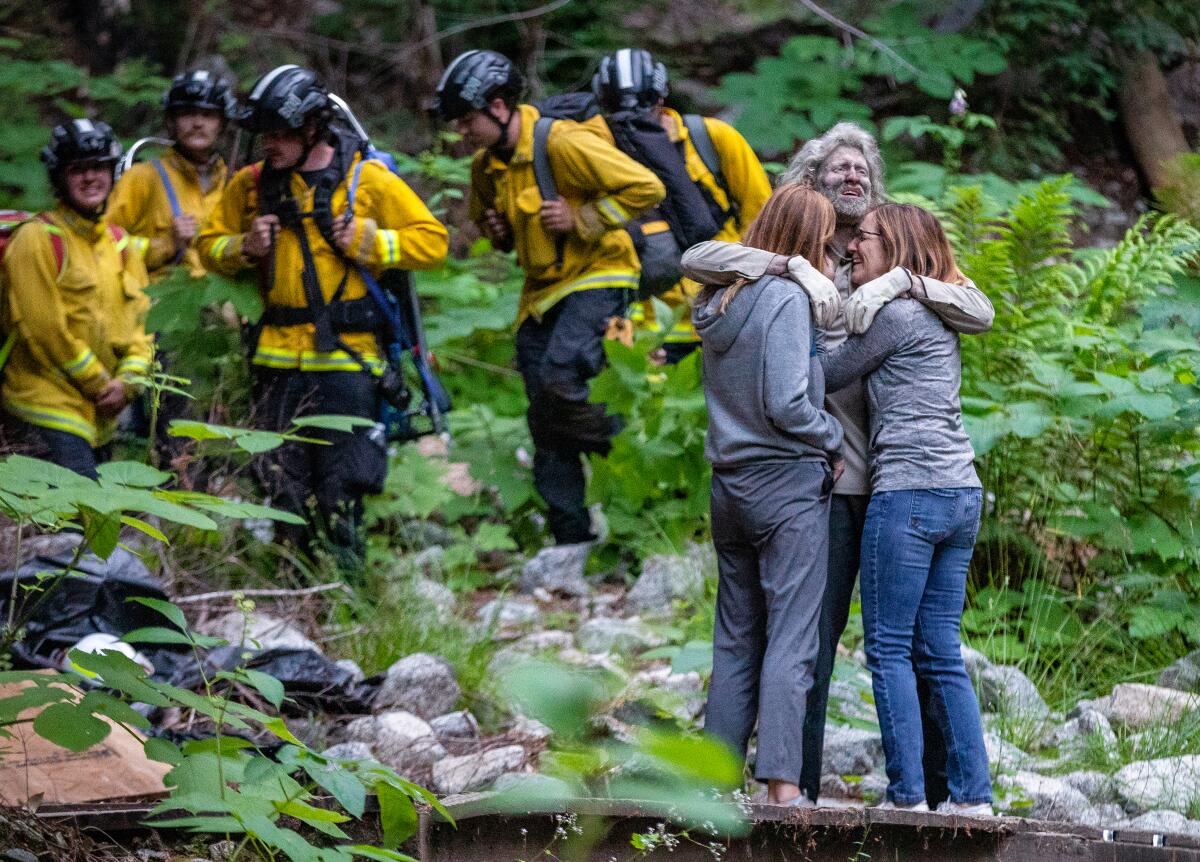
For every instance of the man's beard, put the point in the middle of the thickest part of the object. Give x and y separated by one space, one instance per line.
849 210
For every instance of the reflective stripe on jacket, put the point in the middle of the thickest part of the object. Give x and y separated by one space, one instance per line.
75 331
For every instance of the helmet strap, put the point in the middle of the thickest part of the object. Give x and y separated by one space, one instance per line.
501 148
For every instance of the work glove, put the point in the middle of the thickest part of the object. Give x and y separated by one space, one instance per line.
821 292
864 303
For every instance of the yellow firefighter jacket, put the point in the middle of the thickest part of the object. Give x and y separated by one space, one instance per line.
75 330
748 184
139 203
606 188
394 230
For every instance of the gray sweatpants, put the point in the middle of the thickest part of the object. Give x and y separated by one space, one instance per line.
770 525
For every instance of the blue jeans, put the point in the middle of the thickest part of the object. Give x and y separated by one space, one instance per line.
915 552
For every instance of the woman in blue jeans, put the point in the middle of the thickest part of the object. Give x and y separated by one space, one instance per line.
924 511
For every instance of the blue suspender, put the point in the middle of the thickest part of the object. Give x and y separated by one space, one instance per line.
172 199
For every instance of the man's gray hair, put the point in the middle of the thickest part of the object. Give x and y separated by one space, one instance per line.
807 162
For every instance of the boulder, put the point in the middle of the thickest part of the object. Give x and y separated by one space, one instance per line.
530 728
1183 674
398 739
440 596
351 667
349 751
1111 815
455 725
681 694
504 613
545 641
1169 782
258 631
1096 786
610 634
1074 732
1044 798
420 683
851 702
666 578
1164 823
557 569
1140 705
475 771
1005 689
1004 755
850 751
974 660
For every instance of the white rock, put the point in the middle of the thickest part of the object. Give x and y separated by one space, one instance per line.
399 739
530 728
258 631
455 725
351 667
508 612
609 634
1164 823
1169 782
475 771
349 751
438 595
544 641
850 751
420 683
1073 733
1005 689
557 569
1139 705
666 578
974 660
1096 786
1004 755
682 694
1183 674
1044 798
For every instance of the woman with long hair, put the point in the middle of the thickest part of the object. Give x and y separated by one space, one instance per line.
770 443
924 512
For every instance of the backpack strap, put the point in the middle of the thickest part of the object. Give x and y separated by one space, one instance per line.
703 142
542 171
121 240
544 175
58 243
172 199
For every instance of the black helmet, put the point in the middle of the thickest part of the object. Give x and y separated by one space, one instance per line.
79 141
284 98
472 80
199 89
628 80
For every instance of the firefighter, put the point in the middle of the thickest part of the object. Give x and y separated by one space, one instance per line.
735 188
73 308
319 347
580 265
163 203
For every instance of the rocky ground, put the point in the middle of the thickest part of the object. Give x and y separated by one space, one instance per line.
1119 761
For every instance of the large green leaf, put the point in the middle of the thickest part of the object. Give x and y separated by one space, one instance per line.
71 726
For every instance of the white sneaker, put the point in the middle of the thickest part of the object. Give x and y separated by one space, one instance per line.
967 809
889 805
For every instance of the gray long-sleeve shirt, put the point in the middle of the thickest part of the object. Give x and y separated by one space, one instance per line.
964 308
911 364
762 383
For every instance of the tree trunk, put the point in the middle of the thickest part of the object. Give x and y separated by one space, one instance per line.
1148 114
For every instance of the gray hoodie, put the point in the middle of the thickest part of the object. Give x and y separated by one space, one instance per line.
762 383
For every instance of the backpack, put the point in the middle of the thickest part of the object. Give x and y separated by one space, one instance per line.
10 220
688 215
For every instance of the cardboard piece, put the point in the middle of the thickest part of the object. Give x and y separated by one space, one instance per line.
116 768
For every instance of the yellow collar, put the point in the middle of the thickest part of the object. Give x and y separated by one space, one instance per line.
89 229
524 149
